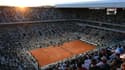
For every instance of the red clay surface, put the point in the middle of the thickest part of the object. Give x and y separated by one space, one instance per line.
52 54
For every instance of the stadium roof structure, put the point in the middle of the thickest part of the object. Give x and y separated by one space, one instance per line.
94 4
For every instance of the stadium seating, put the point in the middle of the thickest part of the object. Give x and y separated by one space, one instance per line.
17 39
13 14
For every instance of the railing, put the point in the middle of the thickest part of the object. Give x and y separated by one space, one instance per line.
103 28
42 21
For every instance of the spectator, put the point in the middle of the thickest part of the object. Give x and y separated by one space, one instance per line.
93 65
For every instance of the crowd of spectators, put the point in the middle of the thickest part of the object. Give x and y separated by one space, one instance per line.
17 40
14 14
108 58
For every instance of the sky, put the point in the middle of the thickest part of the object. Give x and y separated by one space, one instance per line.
25 3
